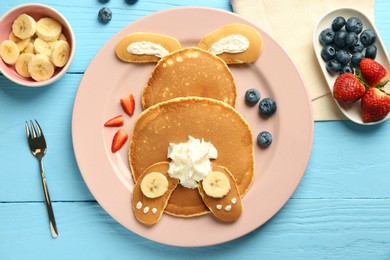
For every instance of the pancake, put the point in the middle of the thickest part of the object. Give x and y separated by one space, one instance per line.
227 208
190 72
172 122
155 206
168 43
248 56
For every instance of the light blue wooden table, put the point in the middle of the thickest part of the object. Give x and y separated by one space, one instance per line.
341 209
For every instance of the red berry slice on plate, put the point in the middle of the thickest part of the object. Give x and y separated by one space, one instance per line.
119 140
348 88
373 73
375 105
115 121
128 104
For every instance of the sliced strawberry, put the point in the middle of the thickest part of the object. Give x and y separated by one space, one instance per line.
375 105
119 140
374 74
348 88
128 104
115 121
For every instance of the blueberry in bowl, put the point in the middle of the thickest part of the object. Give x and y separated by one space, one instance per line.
328 52
354 24
343 57
339 39
333 66
326 36
367 37
371 52
351 39
338 23
356 58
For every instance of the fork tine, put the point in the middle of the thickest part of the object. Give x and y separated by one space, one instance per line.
27 131
38 128
34 133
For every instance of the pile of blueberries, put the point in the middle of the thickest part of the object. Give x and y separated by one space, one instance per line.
345 44
267 107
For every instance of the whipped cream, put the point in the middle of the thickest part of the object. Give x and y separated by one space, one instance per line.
234 43
147 48
191 161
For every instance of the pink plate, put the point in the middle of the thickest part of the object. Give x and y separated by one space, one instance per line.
279 168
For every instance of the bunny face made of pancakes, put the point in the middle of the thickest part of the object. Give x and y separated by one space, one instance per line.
191 151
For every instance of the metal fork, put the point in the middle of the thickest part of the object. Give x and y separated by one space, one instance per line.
37 143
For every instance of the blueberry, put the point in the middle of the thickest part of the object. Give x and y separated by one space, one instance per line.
343 57
351 39
328 52
339 39
358 47
103 1
252 96
356 58
326 36
346 69
371 51
338 23
264 139
104 15
354 24
367 37
333 66
131 2
267 106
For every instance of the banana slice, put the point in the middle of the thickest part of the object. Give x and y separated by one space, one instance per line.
60 53
48 29
216 184
43 47
154 185
9 52
40 67
21 65
62 37
29 48
22 44
24 26
229 207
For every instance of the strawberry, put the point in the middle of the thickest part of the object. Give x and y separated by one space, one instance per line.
375 105
374 74
119 140
115 121
128 104
348 88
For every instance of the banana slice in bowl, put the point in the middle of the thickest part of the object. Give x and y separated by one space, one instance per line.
35 29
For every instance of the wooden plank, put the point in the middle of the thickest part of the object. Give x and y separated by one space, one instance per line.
305 228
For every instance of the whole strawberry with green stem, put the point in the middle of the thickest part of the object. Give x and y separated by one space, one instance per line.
375 105
348 88
374 74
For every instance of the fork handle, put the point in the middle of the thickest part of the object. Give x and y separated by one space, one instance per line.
50 213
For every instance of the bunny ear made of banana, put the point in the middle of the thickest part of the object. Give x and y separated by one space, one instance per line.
234 43
145 47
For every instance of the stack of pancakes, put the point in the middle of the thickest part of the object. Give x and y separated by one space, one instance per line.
192 93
